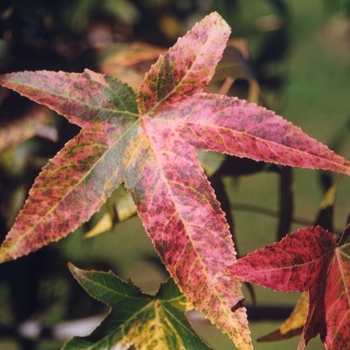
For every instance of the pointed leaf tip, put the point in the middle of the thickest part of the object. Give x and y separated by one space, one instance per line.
85 172
307 260
291 265
136 318
153 152
186 68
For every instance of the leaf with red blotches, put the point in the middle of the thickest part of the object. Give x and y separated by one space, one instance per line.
307 260
149 142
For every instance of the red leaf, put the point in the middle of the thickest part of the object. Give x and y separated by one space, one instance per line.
307 260
337 300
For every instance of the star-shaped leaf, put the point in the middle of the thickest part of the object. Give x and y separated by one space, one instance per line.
149 142
145 321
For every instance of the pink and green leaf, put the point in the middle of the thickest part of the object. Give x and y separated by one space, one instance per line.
186 68
149 142
86 171
179 211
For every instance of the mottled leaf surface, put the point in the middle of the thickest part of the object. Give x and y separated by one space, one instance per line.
88 168
145 321
149 142
307 260
337 300
119 142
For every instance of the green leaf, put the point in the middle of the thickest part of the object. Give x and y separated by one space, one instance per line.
143 320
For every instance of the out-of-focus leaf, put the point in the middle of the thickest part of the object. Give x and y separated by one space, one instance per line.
234 62
123 204
121 207
210 161
170 25
11 134
103 225
124 10
293 325
129 62
143 320
235 65
298 316
325 214
128 55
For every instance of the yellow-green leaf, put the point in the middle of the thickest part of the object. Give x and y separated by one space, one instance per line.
145 321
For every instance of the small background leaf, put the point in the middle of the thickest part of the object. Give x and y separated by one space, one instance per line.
24 127
119 207
103 225
293 325
129 62
236 66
